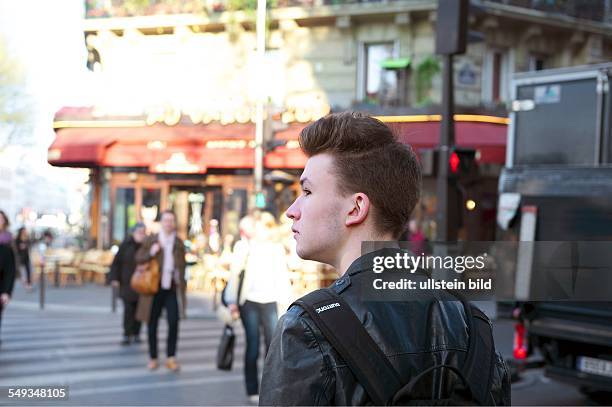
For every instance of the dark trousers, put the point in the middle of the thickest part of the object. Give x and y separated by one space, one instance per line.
253 316
131 326
0 315
164 299
27 267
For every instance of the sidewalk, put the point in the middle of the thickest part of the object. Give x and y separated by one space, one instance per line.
93 298
75 342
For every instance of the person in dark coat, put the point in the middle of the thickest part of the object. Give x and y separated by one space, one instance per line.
122 269
7 263
22 244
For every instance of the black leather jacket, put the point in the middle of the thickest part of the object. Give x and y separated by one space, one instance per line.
302 368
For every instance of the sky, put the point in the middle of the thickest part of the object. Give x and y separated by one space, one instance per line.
46 37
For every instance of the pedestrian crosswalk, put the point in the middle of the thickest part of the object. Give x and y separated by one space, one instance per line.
81 350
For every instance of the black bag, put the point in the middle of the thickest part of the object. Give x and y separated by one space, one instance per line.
372 368
225 352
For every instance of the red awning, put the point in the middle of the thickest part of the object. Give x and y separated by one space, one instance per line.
488 138
154 146
79 148
231 146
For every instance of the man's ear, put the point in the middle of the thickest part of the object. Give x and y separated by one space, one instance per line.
360 206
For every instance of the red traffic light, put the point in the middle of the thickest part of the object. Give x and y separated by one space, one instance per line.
454 162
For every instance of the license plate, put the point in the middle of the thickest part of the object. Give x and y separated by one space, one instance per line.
594 366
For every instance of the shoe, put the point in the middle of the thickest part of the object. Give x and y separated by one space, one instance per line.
126 341
137 340
254 399
152 365
172 365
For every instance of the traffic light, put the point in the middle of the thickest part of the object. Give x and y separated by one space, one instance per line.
462 163
271 127
260 200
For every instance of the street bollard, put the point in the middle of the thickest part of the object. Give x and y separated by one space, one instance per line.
114 298
42 287
56 276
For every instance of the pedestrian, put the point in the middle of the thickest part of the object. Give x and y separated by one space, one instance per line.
416 238
7 263
265 282
169 252
23 244
122 269
47 239
360 184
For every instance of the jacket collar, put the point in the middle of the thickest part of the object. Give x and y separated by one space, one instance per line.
365 261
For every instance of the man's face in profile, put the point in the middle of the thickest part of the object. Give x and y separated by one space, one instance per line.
318 221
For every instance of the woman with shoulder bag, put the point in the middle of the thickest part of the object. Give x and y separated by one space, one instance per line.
168 251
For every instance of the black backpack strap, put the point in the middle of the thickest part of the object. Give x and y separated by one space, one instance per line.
344 331
478 370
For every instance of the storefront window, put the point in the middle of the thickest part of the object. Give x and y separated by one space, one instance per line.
124 214
151 204
187 203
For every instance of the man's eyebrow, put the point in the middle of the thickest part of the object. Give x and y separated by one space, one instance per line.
303 181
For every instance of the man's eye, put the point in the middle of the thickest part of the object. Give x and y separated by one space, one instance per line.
306 192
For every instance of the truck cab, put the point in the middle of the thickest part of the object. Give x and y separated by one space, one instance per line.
557 187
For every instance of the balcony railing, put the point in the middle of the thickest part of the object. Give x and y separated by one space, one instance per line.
594 10
129 8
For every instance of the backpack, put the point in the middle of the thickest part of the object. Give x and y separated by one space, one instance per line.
373 370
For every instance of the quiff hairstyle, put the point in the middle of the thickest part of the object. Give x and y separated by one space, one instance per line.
368 158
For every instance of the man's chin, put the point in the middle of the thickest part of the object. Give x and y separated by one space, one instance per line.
305 254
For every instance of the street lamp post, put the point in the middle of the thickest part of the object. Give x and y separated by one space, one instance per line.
446 228
451 36
259 106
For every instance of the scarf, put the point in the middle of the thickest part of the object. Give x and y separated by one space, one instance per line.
167 244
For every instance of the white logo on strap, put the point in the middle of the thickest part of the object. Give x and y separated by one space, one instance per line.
326 307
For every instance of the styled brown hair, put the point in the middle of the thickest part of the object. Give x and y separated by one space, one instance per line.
368 158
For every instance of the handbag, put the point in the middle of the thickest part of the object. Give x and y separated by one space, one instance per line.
145 279
225 352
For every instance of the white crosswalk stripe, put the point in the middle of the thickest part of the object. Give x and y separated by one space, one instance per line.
82 350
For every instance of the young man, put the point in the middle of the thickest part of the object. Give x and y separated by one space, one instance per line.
360 184
169 252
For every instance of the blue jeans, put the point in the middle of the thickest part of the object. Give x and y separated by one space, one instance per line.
254 315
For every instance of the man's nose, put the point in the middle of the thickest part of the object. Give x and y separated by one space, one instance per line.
293 212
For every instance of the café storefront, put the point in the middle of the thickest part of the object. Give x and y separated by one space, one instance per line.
204 171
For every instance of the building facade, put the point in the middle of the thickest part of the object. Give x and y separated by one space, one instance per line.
172 124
